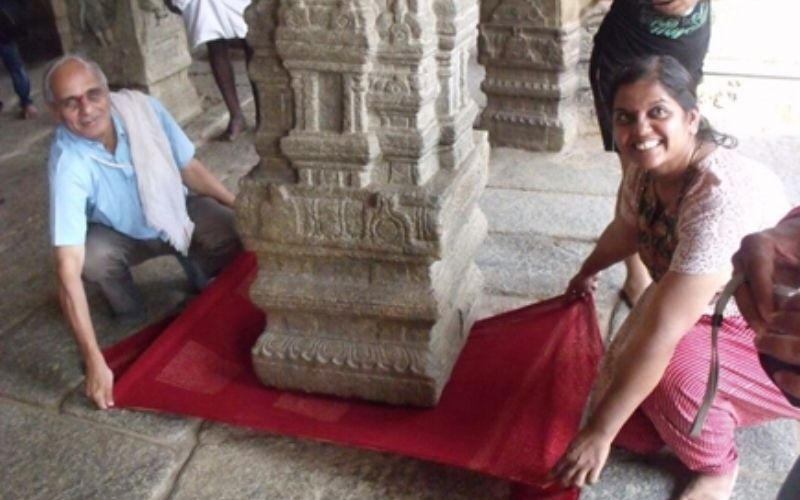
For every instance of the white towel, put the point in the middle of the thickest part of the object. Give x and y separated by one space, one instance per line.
158 177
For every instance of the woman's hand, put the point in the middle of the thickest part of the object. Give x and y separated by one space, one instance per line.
583 460
581 284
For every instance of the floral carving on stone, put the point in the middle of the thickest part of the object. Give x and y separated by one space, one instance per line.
517 11
347 17
389 226
398 26
96 17
518 46
295 15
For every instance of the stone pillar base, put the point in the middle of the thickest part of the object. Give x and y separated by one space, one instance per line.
380 326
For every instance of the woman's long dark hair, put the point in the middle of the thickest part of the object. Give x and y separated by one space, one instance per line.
677 81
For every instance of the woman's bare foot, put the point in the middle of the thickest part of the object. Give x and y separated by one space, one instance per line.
707 487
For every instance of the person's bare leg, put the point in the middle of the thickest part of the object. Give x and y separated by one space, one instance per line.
708 487
248 56
29 112
222 69
637 279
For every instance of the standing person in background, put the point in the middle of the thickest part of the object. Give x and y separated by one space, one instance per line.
637 28
11 28
216 23
765 259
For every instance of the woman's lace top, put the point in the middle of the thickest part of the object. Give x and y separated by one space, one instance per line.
725 197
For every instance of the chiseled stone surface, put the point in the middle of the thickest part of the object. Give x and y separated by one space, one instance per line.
47 456
551 214
238 465
521 269
580 170
529 264
171 430
39 361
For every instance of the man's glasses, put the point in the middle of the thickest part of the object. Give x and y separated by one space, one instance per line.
73 103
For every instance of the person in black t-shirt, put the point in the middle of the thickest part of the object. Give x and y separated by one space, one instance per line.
636 28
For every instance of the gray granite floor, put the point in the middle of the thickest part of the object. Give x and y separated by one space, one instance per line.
544 212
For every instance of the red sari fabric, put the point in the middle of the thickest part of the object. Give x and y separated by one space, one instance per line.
513 403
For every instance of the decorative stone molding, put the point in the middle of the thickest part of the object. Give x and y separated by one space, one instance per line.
530 50
591 17
138 43
363 208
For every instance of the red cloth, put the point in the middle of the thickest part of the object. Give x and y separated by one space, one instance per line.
512 405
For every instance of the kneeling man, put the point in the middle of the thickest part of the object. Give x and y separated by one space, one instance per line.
119 171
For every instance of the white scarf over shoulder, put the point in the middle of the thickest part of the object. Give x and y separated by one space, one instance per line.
159 180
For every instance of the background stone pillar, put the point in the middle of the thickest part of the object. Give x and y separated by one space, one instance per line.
530 50
138 43
363 208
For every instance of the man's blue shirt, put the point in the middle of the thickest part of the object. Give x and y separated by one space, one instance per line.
90 184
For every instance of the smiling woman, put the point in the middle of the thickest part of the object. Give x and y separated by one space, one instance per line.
684 205
639 28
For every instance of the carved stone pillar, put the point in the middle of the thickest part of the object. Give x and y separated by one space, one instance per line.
363 208
138 43
530 49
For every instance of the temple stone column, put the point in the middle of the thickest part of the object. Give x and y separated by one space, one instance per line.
530 49
363 208
138 43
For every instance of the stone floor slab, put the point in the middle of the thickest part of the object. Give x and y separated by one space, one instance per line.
767 453
236 464
534 265
39 362
572 171
176 431
550 214
47 456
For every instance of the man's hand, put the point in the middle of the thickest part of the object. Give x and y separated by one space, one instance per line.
584 459
100 384
767 258
200 180
782 342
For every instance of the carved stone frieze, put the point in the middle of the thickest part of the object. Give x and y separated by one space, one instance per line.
530 50
398 25
516 12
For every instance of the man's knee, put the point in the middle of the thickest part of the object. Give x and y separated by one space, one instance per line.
102 261
215 228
